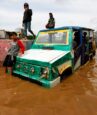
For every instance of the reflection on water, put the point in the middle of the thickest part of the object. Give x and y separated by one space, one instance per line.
76 95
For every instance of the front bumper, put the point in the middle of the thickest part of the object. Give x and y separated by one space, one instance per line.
44 82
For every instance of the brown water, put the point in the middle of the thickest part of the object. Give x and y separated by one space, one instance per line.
76 95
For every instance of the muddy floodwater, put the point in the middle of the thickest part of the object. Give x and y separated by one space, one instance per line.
76 95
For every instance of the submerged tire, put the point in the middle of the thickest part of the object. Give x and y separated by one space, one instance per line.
66 73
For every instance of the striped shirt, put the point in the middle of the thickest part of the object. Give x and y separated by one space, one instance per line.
16 47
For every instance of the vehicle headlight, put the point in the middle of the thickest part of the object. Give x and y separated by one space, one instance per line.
32 70
44 72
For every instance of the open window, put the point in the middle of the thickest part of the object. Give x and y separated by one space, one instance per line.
76 39
76 45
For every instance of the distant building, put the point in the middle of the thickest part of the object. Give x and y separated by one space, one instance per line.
4 34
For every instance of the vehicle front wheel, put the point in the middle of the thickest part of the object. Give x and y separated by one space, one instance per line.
66 73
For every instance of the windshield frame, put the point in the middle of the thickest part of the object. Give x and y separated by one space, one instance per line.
51 32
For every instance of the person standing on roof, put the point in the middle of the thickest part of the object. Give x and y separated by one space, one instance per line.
27 17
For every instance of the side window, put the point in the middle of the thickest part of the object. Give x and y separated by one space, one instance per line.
92 45
76 39
85 36
91 34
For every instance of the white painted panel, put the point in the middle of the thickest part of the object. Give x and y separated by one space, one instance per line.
43 55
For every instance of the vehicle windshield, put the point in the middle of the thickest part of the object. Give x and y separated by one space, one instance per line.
53 37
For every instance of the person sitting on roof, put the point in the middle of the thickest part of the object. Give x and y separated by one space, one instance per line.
51 22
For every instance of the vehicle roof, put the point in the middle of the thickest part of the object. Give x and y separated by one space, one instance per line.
68 27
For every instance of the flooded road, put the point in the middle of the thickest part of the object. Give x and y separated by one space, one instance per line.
76 95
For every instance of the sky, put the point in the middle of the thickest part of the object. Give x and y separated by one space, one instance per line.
66 13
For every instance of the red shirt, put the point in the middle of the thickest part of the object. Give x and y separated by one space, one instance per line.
21 45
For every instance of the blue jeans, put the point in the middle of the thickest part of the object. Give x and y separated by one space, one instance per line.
27 25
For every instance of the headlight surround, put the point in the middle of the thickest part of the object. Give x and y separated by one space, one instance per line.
32 70
45 72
